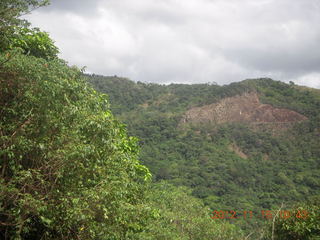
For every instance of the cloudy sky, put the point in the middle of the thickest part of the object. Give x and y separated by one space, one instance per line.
188 41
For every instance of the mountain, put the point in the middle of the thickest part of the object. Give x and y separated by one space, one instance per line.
249 145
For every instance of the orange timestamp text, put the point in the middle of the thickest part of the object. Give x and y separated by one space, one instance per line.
263 214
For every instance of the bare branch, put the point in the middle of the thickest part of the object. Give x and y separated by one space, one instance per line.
274 219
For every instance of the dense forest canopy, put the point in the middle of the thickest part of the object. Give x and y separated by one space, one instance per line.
70 169
234 165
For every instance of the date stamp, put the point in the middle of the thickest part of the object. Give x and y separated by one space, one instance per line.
263 214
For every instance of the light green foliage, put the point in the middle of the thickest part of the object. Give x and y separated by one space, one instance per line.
179 216
10 11
68 169
34 42
303 223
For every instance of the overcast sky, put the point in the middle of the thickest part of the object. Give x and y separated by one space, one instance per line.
188 41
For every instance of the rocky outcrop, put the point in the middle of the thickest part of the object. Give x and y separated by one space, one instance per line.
245 108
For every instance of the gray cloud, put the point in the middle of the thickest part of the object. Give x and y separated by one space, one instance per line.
83 7
189 41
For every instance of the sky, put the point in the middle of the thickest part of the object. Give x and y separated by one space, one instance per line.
188 41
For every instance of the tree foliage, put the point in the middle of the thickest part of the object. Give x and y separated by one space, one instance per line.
10 13
68 169
270 168
181 216
34 42
303 223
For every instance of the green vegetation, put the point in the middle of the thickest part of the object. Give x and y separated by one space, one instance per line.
273 168
68 169
67 166
303 223
11 21
182 216
34 42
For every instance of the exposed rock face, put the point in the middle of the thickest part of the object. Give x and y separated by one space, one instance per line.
244 108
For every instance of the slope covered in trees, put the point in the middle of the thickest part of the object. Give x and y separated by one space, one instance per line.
230 165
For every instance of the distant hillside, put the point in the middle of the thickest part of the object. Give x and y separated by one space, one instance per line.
241 108
250 145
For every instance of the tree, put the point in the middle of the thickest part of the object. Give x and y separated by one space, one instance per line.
179 216
300 223
68 169
10 13
34 42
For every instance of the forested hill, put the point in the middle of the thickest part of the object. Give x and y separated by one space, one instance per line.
248 145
